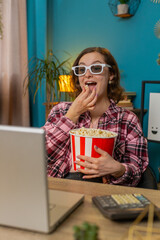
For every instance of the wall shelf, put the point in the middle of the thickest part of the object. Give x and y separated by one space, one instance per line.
133 6
127 15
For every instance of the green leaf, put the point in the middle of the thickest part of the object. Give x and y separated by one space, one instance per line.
45 70
123 1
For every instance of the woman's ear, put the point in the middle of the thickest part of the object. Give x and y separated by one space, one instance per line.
111 77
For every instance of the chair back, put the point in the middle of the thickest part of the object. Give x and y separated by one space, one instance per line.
148 180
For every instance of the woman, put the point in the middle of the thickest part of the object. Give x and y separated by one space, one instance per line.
97 81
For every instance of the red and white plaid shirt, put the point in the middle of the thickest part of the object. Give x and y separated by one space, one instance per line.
130 148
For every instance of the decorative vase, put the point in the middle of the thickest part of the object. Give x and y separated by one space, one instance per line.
122 8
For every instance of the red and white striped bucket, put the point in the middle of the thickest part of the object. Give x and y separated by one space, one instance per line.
84 145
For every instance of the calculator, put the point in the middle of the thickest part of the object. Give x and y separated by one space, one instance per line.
121 206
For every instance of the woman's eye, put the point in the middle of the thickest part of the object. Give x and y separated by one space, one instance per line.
96 69
81 70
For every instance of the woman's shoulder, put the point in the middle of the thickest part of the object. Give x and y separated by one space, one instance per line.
124 112
61 107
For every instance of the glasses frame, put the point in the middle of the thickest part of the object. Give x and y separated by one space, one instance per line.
89 68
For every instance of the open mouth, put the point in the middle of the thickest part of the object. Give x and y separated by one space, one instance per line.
91 83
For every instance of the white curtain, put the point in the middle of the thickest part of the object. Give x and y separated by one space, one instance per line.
14 105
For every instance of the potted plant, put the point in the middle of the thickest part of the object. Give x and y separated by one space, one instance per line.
86 232
47 71
123 7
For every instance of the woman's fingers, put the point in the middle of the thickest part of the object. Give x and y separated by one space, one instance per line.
88 172
101 152
96 167
86 165
90 176
85 158
85 101
93 101
91 98
87 95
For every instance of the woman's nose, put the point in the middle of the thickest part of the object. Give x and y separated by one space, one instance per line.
88 73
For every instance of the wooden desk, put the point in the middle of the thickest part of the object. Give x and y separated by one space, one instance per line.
109 230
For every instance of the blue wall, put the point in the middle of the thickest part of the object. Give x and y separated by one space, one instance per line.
73 25
37 43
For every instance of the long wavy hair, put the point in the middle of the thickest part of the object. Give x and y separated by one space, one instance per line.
114 91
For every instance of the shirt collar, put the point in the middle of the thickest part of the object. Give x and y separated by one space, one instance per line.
112 110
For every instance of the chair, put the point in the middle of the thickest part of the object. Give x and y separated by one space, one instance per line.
148 180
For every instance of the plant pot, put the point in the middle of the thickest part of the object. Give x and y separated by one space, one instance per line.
122 8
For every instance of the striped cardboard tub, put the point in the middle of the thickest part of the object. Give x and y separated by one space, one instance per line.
84 145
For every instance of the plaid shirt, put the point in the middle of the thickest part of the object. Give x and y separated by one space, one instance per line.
130 148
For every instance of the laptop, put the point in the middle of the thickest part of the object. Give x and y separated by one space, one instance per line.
25 201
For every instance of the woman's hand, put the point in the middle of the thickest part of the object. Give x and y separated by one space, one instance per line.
102 166
85 101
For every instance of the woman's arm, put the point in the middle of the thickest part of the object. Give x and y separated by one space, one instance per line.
62 119
133 152
57 130
135 160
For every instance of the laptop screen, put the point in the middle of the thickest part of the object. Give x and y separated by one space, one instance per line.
23 180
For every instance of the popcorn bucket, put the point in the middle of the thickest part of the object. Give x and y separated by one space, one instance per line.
84 145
